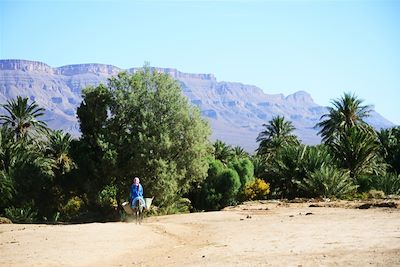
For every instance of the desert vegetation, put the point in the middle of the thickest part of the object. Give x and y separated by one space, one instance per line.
141 125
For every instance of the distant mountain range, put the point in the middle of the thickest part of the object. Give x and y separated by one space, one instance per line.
236 111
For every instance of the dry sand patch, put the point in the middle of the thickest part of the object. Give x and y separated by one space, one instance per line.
253 234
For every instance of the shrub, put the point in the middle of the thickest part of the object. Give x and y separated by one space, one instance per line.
73 207
26 214
389 183
6 189
328 182
221 188
107 197
257 189
245 169
376 194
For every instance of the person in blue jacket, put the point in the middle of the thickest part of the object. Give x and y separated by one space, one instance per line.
136 193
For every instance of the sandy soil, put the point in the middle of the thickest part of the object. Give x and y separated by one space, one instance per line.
254 234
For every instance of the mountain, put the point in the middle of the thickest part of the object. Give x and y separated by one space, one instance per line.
236 111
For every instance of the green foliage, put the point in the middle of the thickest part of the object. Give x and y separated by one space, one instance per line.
26 214
223 152
278 133
223 189
6 189
389 183
260 165
389 141
357 150
347 112
328 182
73 208
245 169
257 189
239 153
59 149
292 164
220 188
141 124
107 197
22 118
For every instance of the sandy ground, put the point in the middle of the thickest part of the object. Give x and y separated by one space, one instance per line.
254 234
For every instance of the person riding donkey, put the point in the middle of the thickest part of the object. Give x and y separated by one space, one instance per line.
136 193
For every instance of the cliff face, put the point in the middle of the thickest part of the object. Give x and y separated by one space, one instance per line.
236 111
24 65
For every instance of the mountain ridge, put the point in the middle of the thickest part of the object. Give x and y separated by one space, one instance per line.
236 111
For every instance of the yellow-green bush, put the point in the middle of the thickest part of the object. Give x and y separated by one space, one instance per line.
73 207
257 189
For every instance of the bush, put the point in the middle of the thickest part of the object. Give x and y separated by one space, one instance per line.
376 194
73 208
221 187
257 189
6 189
107 197
389 183
245 169
328 182
25 214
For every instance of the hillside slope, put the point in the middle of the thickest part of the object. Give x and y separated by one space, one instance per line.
236 111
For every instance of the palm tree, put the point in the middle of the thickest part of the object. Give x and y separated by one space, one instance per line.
239 152
328 181
346 112
22 117
357 150
277 133
222 152
389 141
58 148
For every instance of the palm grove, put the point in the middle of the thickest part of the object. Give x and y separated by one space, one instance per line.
142 125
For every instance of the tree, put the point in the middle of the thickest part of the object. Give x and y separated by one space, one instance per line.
239 152
144 126
59 150
277 134
328 181
292 165
347 112
222 151
23 118
25 170
357 150
389 143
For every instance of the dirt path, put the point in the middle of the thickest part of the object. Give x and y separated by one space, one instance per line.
255 234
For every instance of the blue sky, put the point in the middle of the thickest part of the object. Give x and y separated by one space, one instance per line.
322 47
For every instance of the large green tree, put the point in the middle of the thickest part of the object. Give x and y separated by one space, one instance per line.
142 125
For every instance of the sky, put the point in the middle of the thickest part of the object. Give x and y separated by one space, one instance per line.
325 48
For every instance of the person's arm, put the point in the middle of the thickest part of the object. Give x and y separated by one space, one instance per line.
141 190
